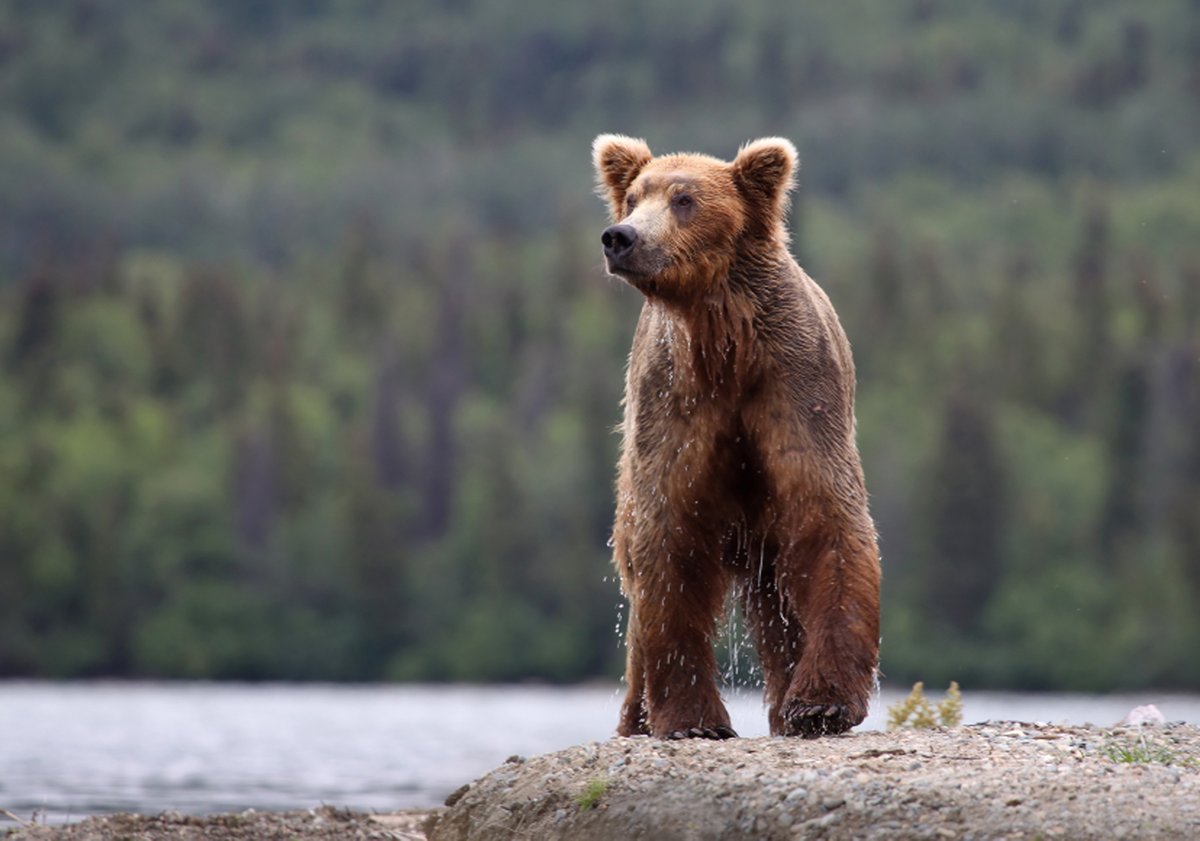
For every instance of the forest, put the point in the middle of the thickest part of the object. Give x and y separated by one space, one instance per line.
309 368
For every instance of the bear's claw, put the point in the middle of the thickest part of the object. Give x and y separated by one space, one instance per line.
718 732
814 720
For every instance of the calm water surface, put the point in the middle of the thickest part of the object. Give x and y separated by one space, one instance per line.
69 750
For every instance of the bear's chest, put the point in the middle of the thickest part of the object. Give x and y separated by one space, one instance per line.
688 444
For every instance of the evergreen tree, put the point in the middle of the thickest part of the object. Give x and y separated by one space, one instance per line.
967 506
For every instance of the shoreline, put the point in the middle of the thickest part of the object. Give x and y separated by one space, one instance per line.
322 822
998 779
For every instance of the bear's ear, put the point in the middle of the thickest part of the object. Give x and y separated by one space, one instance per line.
618 160
764 171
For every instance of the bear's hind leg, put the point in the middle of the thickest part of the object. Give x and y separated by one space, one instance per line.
777 639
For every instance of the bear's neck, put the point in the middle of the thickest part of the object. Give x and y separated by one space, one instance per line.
719 352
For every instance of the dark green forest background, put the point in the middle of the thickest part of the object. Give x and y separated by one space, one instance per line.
309 367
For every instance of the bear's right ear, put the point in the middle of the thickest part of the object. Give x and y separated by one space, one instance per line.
618 160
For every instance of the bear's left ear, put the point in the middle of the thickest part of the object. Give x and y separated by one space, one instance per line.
764 171
618 160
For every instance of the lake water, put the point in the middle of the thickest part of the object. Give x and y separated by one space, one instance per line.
76 749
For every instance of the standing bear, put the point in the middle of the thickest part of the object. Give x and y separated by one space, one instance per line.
738 467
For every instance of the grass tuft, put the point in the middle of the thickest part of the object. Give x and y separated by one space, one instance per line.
917 712
590 797
1142 752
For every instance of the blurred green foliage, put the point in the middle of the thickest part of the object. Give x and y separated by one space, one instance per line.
308 368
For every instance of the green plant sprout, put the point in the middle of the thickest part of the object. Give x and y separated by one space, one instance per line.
589 798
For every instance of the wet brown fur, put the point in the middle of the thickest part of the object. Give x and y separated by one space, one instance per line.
739 467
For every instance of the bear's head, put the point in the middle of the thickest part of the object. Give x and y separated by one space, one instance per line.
680 220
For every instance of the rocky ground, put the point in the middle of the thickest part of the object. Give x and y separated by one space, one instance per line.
991 780
323 823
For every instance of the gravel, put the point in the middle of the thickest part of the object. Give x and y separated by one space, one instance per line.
990 780
325 822
993 780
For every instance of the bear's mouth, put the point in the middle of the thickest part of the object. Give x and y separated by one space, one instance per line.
640 270
622 271
644 282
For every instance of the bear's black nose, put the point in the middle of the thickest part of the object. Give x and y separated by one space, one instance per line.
618 241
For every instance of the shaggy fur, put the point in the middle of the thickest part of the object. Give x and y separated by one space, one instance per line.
739 467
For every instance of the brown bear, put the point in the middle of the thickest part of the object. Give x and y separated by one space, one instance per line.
739 467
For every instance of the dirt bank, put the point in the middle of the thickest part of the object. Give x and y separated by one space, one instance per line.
995 780
992 780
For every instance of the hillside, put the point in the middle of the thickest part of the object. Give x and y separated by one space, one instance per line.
308 368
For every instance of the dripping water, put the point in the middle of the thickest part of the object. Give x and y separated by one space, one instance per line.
619 628
737 659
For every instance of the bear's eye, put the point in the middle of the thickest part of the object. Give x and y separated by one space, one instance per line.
682 201
630 204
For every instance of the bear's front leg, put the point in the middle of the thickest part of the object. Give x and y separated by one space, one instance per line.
633 711
671 655
834 596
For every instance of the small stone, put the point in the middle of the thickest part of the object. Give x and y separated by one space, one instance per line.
823 821
457 794
1146 715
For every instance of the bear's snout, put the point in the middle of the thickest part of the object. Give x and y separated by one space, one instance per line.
618 242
